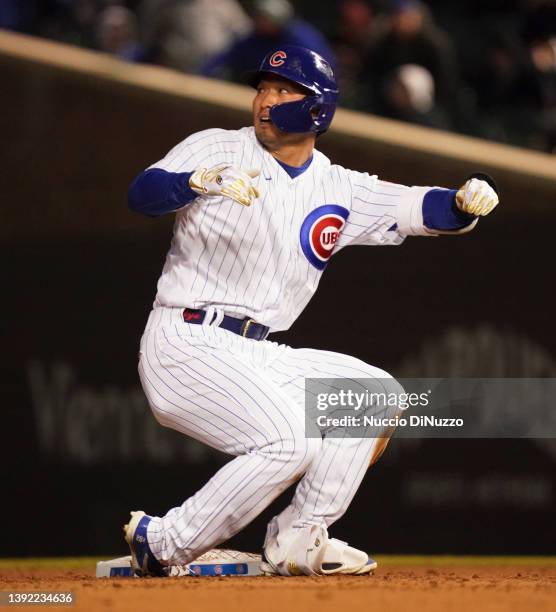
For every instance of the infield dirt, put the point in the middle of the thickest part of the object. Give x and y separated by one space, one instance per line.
436 588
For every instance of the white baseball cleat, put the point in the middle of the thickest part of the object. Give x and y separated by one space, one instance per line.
339 559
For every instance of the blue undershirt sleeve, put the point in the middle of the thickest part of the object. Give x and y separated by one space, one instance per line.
441 212
156 192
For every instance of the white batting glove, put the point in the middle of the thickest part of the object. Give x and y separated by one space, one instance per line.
476 197
224 180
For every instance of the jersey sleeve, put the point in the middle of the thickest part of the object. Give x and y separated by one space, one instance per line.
382 213
201 150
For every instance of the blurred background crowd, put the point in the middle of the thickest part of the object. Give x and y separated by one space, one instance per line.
481 67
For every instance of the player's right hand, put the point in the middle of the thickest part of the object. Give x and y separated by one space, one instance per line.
224 180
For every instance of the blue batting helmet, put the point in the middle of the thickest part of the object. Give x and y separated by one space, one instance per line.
306 68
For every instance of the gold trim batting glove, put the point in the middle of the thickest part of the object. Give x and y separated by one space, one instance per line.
227 181
476 197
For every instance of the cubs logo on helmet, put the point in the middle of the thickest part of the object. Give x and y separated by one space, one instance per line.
320 232
277 59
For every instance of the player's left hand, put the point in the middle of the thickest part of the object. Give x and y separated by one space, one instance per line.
476 197
226 181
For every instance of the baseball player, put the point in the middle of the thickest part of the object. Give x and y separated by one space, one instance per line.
259 211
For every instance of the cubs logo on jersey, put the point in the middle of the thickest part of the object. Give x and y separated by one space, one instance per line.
320 232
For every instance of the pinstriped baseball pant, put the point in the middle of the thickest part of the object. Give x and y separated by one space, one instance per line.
246 398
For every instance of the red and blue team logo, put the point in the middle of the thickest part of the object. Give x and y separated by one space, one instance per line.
277 59
320 232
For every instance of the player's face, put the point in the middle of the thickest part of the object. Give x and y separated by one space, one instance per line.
270 91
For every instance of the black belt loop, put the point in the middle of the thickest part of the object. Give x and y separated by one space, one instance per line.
247 328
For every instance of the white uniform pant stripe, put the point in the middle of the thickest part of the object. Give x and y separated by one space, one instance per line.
204 369
232 414
183 418
165 416
329 485
234 382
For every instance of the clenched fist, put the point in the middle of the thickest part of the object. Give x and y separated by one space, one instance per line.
224 180
476 197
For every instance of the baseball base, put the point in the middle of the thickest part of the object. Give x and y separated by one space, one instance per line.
215 562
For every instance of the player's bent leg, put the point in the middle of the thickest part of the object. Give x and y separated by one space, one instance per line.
331 481
207 392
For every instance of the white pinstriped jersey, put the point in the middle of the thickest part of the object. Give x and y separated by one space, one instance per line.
265 261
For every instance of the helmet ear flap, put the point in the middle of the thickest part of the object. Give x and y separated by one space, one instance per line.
312 114
294 116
